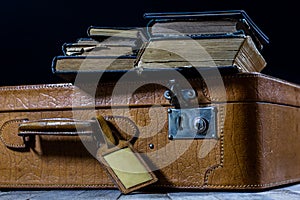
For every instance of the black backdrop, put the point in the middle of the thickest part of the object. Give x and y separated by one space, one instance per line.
32 32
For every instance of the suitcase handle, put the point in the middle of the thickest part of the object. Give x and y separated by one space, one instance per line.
16 133
56 126
109 143
74 127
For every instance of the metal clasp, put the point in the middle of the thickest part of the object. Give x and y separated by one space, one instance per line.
179 97
193 123
186 121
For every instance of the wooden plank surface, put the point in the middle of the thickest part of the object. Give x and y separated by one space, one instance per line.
284 193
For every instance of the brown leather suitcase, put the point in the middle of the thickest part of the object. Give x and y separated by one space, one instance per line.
240 134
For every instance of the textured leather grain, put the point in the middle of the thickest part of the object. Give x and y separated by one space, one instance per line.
257 145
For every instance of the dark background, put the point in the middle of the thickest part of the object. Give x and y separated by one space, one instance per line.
32 32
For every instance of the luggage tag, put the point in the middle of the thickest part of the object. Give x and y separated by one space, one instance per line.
122 162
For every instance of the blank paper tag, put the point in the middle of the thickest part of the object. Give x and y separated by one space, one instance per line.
128 168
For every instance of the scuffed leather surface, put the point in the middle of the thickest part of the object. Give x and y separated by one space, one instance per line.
53 162
261 144
245 87
257 145
63 161
8 137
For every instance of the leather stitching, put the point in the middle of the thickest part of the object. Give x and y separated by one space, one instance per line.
232 186
157 185
58 185
205 90
69 85
26 87
255 185
116 118
211 169
5 125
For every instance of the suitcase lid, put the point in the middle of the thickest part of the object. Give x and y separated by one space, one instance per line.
243 87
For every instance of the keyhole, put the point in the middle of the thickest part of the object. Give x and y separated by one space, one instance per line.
180 126
201 125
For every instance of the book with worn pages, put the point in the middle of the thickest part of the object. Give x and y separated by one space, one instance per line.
103 49
170 40
239 52
209 24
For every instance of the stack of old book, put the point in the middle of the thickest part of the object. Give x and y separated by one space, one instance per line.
104 48
170 41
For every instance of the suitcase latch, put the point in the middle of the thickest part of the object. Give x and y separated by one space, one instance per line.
186 121
180 97
192 123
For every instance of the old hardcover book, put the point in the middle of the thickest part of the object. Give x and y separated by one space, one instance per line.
205 24
101 48
126 32
174 52
98 32
182 40
86 40
103 41
72 49
105 49
65 64
203 39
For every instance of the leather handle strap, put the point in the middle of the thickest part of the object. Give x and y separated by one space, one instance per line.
126 167
106 132
55 126
67 127
74 127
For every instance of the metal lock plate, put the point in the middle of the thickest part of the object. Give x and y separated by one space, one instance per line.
193 123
